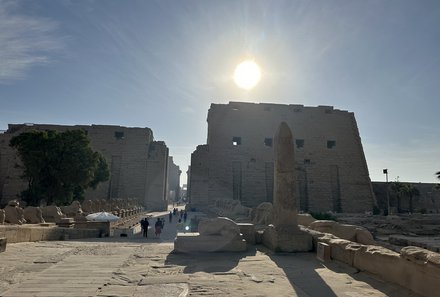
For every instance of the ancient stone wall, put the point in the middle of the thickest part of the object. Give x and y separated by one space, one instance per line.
414 268
127 151
173 180
237 162
157 172
199 178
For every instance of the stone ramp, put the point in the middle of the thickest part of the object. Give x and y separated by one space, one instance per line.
71 277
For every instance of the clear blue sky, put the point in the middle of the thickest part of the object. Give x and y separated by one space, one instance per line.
160 64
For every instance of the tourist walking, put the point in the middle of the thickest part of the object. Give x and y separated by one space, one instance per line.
170 216
158 227
144 225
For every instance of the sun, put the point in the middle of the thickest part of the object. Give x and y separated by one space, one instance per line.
247 74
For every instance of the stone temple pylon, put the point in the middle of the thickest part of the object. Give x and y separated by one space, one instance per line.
284 235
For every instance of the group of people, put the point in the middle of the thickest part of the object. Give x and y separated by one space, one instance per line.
160 222
158 226
183 214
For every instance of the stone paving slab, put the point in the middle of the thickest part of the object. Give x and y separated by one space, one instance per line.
73 276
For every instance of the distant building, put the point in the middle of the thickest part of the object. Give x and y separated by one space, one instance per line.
173 181
237 161
137 163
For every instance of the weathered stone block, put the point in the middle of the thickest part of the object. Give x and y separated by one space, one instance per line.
287 241
380 261
305 219
66 222
340 251
3 242
323 252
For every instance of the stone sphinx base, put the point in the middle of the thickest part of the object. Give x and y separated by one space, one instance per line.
287 239
3 242
194 242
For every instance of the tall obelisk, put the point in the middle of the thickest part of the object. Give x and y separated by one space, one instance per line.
284 235
284 201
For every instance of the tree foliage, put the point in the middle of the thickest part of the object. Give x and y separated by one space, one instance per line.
58 166
438 176
405 189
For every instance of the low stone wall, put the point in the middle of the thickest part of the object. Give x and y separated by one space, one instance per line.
414 268
104 228
349 232
127 232
25 233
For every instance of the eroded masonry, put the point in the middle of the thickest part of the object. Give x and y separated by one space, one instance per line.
238 160
138 164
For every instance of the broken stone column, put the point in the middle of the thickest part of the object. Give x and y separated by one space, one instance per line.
284 234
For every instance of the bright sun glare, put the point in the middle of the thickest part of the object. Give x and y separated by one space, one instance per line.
247 74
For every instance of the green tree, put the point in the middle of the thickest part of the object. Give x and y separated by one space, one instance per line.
405 189
58 167
396 186
438 176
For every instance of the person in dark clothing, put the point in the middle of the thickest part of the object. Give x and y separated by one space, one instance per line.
185 216
144 226
170 216
158 227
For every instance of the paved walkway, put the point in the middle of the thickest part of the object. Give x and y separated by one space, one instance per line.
147 267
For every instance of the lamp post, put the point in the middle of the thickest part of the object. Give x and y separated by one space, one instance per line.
385 171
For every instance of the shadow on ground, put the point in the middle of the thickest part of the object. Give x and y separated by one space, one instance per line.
208 262
300 270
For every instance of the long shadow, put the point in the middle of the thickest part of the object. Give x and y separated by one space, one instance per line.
388 289
300 270
208 262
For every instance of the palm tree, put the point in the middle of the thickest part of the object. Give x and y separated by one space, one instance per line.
410 191
404 189
438 176
397 189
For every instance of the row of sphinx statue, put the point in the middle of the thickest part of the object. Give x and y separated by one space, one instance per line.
17 213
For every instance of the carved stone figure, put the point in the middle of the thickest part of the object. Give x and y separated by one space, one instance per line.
219 226
215 235
72 210
33 215
80 217
52 214
263 214
87 206
14 213
344 231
